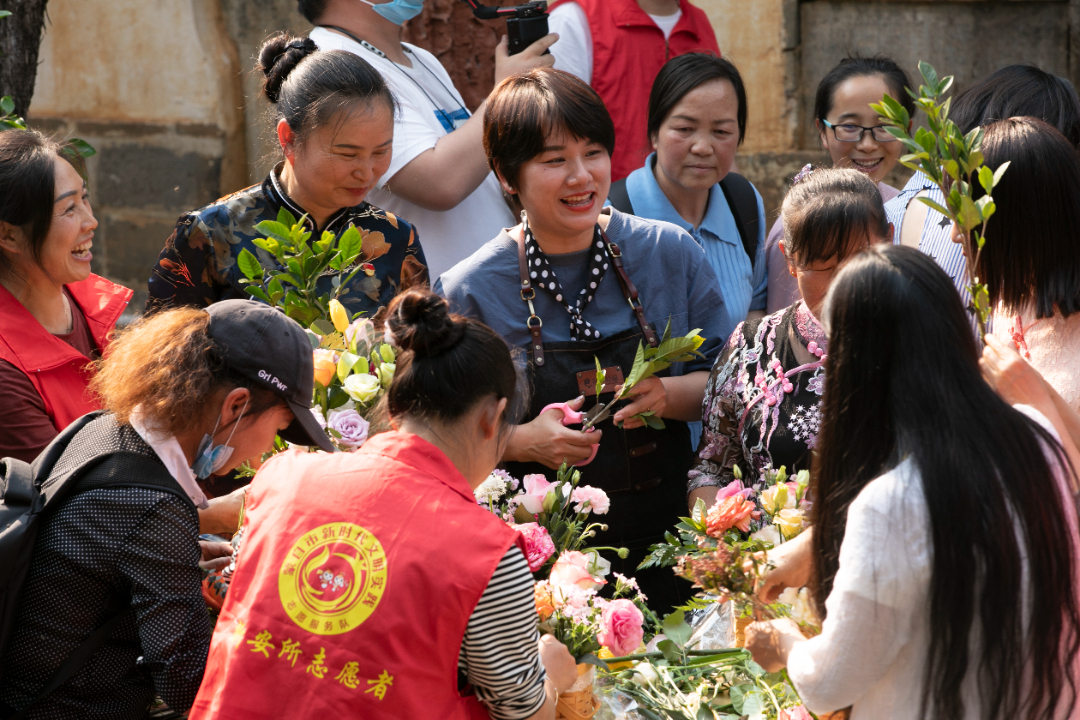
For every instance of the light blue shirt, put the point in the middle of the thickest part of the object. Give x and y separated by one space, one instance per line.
744 286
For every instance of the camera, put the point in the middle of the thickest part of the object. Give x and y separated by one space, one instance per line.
525 24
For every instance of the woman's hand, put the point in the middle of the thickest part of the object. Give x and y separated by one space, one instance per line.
215 555
792 564
547 441
649 394
529 58
1011 376
558 662
223 515
771 642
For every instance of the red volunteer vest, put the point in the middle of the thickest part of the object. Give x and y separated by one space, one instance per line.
58 371
628 52
357 577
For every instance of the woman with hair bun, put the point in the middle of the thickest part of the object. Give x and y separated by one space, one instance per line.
371 584
334 120
187 393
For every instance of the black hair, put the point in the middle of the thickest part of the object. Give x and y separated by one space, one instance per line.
527 108
1018 91
684 73
850 67
449 362
1032 253
28 184
904 386
312 10
831 211
308 87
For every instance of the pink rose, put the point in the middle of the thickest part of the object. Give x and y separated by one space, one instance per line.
536 489
733 488
538 544
795 713
620 627
590 499
571 569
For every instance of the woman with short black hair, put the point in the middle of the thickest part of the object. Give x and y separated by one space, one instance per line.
333 116
697 120
575 284
945 529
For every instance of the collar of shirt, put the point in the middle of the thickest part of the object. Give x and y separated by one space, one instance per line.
276 194
172 456
650 202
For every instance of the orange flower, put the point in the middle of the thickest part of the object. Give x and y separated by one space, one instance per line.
545 603
325 366
735 511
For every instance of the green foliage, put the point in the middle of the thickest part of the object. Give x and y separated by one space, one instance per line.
651 360
954 162
294 265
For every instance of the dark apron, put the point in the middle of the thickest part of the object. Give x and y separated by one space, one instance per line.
643 471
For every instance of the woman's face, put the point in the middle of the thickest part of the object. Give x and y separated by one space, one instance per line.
695 146
65 253
815 278
564 188
851 106
338 164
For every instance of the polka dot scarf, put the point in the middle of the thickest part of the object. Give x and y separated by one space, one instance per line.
543 275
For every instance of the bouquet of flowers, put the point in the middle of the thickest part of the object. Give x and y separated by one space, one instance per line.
553 517
353 363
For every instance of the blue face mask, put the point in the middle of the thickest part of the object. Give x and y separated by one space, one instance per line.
210 458
397 11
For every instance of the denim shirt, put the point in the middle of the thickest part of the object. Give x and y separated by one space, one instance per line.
744 287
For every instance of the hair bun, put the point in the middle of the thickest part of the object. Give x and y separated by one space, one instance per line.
278 57
420 321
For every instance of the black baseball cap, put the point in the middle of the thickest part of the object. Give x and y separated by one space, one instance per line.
264 345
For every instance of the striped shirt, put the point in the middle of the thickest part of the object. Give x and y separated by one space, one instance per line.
500 654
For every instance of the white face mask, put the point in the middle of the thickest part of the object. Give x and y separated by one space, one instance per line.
210 458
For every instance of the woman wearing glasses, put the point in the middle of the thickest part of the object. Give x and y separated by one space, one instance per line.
853 135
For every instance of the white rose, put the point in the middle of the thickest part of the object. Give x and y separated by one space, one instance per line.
768 534
644 673
361 387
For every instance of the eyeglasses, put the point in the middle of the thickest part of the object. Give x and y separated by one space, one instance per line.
854 133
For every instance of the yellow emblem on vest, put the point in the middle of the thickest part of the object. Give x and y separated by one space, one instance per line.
333 578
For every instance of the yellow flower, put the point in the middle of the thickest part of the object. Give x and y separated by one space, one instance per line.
339 316
325 366
790 522
774 499
362 387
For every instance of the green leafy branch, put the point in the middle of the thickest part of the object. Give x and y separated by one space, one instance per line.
954 162
648 362
292 285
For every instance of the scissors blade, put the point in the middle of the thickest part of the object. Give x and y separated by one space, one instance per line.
598 414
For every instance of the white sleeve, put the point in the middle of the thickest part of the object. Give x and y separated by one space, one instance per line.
881 586
573 51
413 133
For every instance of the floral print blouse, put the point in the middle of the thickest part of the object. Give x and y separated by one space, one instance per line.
762 404
198 266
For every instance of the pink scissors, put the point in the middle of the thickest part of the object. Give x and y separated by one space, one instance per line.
588 420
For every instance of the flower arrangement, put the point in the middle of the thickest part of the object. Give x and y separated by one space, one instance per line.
353 363
953 162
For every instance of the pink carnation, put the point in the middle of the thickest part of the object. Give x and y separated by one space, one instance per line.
620 627
571 569
590 499
538 544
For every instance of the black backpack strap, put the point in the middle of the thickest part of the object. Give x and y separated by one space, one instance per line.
75 661
742 200
619 198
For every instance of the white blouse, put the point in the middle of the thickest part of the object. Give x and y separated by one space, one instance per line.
872 651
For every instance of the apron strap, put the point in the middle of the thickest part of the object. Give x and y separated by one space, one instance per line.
528 292
630 291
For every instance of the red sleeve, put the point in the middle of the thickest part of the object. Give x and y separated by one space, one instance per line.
25 427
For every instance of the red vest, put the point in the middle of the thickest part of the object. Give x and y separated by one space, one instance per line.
628 52
60 372
356 580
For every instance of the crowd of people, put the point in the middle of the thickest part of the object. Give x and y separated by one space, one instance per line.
587 204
